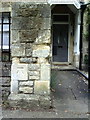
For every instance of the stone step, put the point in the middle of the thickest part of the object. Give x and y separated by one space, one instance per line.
29 101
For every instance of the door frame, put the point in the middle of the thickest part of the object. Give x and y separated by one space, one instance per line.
68 37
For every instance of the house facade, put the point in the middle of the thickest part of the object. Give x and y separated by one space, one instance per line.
35 35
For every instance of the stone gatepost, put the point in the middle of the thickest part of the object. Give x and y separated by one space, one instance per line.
30 50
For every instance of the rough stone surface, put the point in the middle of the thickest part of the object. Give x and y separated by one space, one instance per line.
28 45
46 25
29 52
14 86
15 60
14 72
5 81
4 87
26 60
5 92
34 73
19 72
26 83
5 69
22 71
5 6
26 23
28 9
41 51
18 50
29 101
33 67
34 77
34 60
31 34
45 101
28 36
42 87
42 61
76 60
43 37
26 89
45 72
14 36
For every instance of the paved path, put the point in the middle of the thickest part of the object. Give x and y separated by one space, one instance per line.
71 93
70 98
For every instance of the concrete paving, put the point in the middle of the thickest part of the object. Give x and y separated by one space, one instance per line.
71 93
70 99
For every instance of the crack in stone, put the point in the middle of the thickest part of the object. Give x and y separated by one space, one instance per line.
73 94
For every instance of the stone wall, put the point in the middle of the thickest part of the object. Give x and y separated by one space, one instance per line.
5 6
30 49
5 79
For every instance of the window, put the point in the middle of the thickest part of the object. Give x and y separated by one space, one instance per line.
60 18
5 36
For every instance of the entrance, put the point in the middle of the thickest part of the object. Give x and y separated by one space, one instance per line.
60 42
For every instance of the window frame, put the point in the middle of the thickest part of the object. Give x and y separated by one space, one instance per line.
3 51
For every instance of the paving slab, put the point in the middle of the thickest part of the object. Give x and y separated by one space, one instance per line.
71 93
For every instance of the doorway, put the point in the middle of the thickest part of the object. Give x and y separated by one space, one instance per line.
60 42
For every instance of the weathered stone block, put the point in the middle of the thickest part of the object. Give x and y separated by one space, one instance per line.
18 50
41 51
24 9
42 87
46 24
27 12
45 72
27 83
14 86
19 72
22 71
28 45
5 93
34 77
26 60
5 81
14 36
28 36
15 60
34 60
45 10
29 101
34 73
31 23
14 76
33 67
6 4
44 36
22 23
26 89
27 97
28 52
42 61
27 9
45 101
